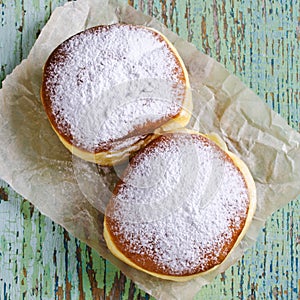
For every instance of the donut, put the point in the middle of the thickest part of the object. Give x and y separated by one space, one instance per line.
109 90
182 205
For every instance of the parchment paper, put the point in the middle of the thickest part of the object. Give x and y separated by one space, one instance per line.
36 164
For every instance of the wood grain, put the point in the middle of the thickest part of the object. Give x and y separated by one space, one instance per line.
257 40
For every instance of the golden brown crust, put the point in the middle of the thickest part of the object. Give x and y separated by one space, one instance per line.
105 153
145 263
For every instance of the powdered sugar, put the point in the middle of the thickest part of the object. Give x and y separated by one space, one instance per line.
181 204
107 82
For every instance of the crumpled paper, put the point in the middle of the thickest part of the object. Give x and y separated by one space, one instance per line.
35 163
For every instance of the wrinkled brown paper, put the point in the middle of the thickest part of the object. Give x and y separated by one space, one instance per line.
36 164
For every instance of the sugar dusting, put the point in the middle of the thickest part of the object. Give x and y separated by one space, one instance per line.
178 205
106 83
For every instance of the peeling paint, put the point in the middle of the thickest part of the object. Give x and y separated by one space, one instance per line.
3 194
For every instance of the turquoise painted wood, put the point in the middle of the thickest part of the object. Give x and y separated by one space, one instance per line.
259 41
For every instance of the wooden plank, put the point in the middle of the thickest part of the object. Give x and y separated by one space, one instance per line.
40 260
256 40
11 37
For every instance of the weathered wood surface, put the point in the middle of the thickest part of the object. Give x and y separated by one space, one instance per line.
257 40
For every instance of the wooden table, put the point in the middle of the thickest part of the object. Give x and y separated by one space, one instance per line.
257 40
